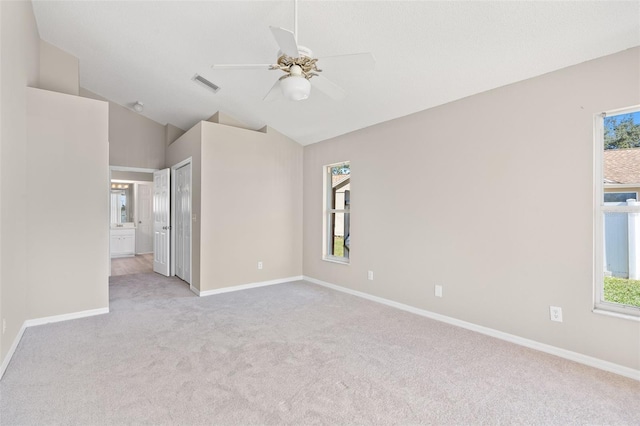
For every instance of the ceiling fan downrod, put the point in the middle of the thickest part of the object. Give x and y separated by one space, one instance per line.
295 19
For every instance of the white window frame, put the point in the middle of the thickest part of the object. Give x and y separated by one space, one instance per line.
600 305
327 234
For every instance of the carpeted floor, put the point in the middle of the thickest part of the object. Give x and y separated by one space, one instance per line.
292 353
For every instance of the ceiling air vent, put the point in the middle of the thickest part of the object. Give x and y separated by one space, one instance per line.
207 83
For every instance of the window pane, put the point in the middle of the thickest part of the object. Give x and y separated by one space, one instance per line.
341 192
620 182
619 197
337 206
339 235
621 158
622 258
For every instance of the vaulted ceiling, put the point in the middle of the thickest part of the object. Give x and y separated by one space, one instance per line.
428 53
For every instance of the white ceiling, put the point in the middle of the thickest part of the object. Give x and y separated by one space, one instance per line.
428 53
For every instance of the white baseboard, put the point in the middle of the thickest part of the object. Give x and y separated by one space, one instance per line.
12 349
532 344
245 286
66 317
41 321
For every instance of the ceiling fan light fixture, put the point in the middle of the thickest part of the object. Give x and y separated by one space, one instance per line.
295 88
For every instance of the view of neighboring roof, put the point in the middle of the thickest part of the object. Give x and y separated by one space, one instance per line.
622 166
337 180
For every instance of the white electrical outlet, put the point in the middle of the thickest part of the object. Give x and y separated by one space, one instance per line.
370 275
438 291
259 265
4 325
555 313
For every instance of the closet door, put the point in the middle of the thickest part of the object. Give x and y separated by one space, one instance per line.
183 222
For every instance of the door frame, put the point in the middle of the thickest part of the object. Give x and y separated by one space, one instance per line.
119 169
172 260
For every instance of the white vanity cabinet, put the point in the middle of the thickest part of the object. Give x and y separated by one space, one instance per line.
123 242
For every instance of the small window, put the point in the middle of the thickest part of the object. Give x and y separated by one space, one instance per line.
337 212
617 222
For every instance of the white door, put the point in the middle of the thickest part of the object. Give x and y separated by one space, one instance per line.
144 209
161 226
183 222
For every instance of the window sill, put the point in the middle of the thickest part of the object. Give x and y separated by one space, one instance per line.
336 260
601 311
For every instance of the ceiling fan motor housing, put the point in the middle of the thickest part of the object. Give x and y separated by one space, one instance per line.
295 71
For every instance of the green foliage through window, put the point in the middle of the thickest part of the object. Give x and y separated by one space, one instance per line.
341 169
622 131
622 290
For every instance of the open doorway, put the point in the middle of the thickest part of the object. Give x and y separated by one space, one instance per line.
151 221
131 221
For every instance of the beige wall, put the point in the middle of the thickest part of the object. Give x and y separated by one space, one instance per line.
227 120
511 247
251 206
67 237
19 68
190 145
132 176
134 140
59 70
31 164
171 133
247 189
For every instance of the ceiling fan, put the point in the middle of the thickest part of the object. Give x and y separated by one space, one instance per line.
300 68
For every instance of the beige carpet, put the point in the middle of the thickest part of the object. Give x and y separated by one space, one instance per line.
138 264
290 354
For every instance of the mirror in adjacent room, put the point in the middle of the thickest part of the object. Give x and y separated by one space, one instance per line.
121 203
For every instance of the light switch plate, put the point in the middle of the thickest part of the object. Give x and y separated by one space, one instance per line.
438 291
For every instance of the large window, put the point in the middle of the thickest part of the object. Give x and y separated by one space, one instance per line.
617 224
337 212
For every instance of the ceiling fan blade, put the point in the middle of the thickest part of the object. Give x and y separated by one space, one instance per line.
286 40
328 87
240 66
274 93
358 61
